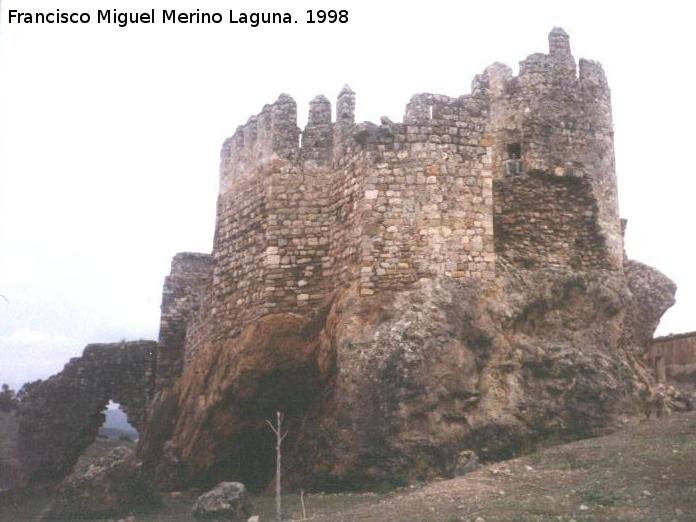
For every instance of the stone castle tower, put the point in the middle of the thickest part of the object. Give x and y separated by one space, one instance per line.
518 173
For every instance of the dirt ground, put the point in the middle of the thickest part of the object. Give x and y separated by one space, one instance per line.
645 472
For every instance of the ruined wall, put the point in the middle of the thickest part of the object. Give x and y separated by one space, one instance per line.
59 417
544 220
553 122
183 292
673 357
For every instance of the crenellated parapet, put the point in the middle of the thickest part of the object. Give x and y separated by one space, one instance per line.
271 133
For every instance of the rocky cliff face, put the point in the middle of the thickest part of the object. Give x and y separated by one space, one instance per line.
389 389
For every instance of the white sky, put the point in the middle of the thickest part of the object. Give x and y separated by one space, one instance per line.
110 137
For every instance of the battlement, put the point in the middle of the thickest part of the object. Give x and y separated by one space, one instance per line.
520 171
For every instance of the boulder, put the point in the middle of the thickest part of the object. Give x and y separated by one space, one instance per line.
109 486
467 461
226 501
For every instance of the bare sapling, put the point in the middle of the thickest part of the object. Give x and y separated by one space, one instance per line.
278 430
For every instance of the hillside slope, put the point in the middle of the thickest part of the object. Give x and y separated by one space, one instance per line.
645 472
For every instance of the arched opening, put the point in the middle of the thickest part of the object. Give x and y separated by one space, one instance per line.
116 424
248 454
111 429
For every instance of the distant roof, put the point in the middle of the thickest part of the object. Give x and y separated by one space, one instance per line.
672 337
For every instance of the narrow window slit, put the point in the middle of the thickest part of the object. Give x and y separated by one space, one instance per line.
514 151
513 161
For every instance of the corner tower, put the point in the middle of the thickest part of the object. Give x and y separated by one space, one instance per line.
552 143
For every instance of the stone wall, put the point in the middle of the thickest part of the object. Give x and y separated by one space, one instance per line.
183 292
59 417
545 220
553 120
520 171
274 218
673 357
428 196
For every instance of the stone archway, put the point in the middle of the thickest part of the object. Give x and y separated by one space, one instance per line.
60 417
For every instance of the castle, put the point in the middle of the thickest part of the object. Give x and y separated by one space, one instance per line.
518 173
402 291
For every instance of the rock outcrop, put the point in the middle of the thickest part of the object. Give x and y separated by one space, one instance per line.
653 291
390 389
110 486
467 461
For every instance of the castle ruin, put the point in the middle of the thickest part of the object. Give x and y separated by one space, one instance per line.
405 291
518 173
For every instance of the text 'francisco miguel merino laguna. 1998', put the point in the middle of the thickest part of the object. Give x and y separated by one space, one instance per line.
124 18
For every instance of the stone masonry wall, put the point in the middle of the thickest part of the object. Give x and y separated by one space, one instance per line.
556 121
183 291
522 169
428 197
545 220
678 356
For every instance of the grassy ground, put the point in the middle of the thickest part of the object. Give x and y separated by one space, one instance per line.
645 472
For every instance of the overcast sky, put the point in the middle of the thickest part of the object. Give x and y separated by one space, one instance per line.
110 137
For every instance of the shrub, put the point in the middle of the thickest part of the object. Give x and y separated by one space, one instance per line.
8 401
